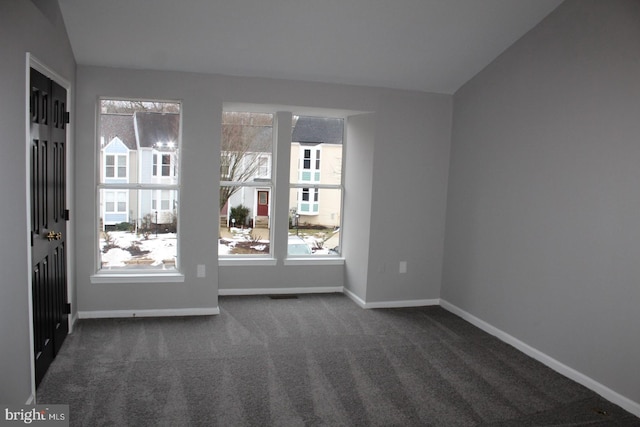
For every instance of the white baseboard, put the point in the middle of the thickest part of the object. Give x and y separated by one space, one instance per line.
355 298
580 378
72 321
391 304
105 314
399 304
277 291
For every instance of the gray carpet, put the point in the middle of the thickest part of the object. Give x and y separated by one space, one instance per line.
318 360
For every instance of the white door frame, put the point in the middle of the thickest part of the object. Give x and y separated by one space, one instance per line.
36 64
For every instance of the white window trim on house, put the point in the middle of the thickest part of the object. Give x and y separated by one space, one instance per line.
116 168
264 168
116 201
311 206
159 166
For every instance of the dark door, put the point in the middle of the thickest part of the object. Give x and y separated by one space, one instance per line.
48 219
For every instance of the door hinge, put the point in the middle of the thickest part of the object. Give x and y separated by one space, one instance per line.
67 308
66 117
66 214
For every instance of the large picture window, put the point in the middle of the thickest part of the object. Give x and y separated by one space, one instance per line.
115 166
311 173
138 190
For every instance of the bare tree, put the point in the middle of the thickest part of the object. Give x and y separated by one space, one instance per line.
118 106
245 138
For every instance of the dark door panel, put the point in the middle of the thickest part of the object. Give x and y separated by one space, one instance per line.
48 218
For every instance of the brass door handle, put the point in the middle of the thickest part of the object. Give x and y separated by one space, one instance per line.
52 235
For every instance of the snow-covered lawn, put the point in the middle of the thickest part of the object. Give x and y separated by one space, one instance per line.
248 241
131 250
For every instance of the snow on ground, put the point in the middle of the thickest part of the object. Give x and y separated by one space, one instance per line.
236 235
161 248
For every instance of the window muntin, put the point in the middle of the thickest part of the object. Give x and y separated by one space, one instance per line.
246 183
138 190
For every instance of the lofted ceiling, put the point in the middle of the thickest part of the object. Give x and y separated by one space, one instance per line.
425 45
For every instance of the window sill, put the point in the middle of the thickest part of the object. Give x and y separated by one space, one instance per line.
137 278
248 261
315 261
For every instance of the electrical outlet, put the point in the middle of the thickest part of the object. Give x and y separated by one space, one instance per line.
403 267
201 272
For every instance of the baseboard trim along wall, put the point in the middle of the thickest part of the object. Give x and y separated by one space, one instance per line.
106 314
391 304
580 378
277 291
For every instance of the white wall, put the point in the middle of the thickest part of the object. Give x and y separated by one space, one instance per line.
411 124
543 217
356 230
23 28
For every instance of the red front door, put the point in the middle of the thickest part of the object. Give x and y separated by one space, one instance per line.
263 203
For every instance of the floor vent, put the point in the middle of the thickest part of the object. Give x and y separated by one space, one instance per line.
284 296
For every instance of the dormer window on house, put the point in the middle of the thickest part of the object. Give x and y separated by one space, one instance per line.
115 166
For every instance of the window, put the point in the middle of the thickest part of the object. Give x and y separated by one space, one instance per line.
313 147
165 200
162 164
306 159
263 166
245 183
115 166
116 201
315 201
138 193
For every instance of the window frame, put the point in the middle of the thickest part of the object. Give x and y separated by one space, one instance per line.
311 187
158 164
116 202
282 185
129 275
259 182
116 167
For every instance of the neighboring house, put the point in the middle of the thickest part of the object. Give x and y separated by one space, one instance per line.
316 158
138 148
255 167
118 165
